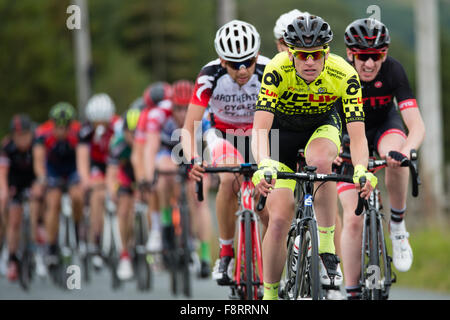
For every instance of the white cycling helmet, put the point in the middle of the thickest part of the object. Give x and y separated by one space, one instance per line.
100 108
283 21
237 41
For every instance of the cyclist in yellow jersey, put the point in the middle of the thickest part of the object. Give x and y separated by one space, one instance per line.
297 97
278 31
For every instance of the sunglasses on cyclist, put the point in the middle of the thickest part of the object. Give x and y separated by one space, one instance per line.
304 55
238 65
364 56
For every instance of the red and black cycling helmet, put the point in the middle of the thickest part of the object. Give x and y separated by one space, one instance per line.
21 123
157 92
367 33
182 92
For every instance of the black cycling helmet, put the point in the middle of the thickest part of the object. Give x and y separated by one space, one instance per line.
367 33
21 123
307 31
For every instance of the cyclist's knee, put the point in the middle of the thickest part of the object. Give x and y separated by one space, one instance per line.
14 219
323 163
279 225
352 223
98 192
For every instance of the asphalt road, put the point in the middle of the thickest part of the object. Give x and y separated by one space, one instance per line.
203 289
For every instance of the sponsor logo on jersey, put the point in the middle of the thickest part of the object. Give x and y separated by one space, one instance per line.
302 97
377 101
272 78
353 86
204 82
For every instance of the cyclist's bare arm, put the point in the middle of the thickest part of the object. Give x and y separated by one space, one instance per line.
152 144
83 162
359 149
4 170
416 133
260 143
358 143
39 158
261 127
193 118
137 160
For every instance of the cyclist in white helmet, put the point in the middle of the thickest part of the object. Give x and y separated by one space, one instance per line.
92 154
280 26
229 86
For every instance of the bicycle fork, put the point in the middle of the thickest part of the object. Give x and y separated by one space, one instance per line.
255 254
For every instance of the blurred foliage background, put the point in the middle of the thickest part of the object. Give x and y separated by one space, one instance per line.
136 42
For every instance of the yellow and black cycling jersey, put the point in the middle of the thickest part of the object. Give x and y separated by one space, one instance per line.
297 105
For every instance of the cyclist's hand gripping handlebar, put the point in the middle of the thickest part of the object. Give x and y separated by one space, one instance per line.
262 200
361 201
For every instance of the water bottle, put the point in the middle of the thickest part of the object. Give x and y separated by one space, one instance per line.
295 255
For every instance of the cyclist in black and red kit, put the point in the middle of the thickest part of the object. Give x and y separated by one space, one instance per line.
383 79
16 178
55 168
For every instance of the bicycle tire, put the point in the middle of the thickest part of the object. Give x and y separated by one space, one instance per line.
248 278
142 271
25 269
173 266
26 263
113 261
386 271
185 252
289 273
374 253
66 261
307 276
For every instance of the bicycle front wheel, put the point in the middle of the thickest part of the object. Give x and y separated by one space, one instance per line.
249 293
307 275
186 250
374 257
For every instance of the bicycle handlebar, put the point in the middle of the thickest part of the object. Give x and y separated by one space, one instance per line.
411 163
244 168
307 176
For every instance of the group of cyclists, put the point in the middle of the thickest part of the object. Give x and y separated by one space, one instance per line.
242 108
